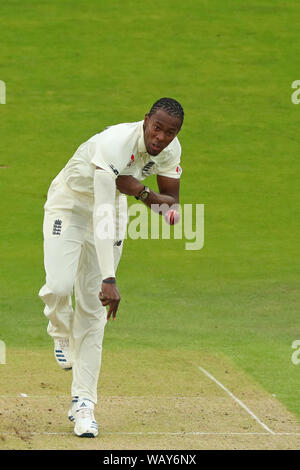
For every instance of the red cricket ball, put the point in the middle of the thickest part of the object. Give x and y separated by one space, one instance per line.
172 217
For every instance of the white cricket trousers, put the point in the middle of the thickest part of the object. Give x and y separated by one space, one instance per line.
71 265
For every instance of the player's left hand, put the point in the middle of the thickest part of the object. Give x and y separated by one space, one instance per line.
109 295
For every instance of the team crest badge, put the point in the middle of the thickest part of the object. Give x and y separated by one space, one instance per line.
57 227
179 170
131 161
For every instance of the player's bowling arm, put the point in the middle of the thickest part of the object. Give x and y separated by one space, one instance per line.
168 189
104 206
103 216
168 195
129 185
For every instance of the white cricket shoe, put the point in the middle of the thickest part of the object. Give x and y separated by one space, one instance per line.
82 413
63 353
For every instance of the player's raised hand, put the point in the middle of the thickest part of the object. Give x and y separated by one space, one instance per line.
109 295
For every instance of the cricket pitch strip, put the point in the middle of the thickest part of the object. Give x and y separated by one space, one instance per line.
147 400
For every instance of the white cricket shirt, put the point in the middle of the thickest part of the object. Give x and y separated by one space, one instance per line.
120 149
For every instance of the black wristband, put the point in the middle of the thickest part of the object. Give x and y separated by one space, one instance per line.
109 281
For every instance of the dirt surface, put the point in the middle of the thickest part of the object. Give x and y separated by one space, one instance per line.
150 400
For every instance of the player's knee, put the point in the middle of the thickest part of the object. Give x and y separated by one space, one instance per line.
61 288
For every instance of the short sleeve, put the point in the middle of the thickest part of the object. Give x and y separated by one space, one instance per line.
172 172
171 166
110 150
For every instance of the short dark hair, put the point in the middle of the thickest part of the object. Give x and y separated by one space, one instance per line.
169 105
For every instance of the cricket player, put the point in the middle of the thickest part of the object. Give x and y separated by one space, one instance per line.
84 229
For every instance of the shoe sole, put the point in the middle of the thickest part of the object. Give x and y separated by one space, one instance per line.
61 366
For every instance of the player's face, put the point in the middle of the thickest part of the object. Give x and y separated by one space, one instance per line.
159 131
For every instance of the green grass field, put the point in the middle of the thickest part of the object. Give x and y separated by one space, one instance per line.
73 67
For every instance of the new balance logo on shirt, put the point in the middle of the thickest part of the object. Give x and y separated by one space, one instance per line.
147 168
114 169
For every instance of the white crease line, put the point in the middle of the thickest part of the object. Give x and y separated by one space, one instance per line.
106 397
237 400
162 433
196 433
163 396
